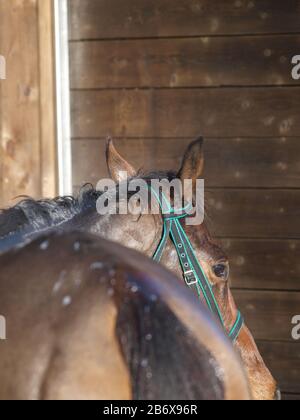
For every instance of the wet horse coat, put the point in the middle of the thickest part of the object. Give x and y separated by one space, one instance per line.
88 319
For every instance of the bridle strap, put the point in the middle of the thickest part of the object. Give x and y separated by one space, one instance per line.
237 326
194 274
192 271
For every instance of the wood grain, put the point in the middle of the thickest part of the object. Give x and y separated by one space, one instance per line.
27 102
254 213
231 112
49 171
183 62
263 264
283 359
92 19
229 162
290 397
269 313
20 129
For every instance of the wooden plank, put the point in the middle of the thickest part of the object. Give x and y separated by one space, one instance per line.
28 152
1 129
291 397
230 112
20 100
264 264
269 314
49 172
254 213
184 62
283 359
92 19
238 162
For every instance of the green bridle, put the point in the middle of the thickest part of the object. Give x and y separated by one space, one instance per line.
193 273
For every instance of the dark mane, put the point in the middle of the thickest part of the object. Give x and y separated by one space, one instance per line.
36 216
30 215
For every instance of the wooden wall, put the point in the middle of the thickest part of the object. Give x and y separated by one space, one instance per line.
27 111
157 73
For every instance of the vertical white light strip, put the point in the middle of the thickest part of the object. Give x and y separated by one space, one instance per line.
63 97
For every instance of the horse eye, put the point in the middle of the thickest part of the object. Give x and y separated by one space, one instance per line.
221 270
136 202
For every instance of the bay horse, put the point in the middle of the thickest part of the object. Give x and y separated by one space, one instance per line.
89 319
31 218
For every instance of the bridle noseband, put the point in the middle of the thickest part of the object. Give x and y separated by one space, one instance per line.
193 273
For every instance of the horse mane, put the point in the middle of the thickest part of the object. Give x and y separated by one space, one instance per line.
30 218
31 215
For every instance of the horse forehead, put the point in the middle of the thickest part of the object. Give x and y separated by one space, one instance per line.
206 245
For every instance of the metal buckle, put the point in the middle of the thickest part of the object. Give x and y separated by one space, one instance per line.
190 278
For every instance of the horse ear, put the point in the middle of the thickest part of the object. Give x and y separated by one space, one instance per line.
119 169
193 161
